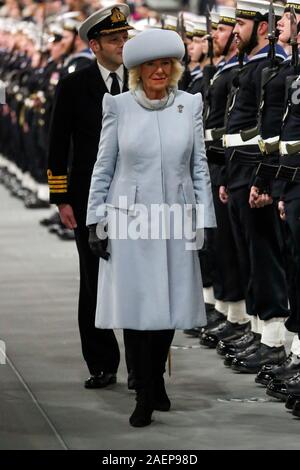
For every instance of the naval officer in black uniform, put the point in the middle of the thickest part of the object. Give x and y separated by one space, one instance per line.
283 381
255 230
74 139
226 275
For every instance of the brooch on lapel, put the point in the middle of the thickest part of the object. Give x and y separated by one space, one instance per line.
180 108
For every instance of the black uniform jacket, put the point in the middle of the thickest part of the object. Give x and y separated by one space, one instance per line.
74 135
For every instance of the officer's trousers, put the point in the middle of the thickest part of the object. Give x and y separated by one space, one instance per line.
259 247
99 347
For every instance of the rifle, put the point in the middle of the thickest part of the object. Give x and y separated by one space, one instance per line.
180 28
272 33
267 73
210 53
210 69
293 40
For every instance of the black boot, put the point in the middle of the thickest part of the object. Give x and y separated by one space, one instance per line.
296 409
283 388
142 413
161 346
263 355
238 345
215 320
230 331
193 332
161 399
285 370
241 354
214 317
291 400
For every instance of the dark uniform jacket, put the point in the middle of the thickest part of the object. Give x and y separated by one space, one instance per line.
290 131
195 85
214 116
76 121
243 111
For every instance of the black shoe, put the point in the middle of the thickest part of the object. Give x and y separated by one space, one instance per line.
230 331
209 308
142 413
23 193
277 388
289 367
33 202
291 400
296 409
65 234
100 381
194 332
264 355
236 346
214 318
283 388
55 228
3 173
15 186
293 384
161 399
241 354
53 219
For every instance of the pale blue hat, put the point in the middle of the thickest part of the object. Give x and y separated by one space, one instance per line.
152 44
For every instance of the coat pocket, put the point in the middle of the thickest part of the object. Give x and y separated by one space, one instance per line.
123 196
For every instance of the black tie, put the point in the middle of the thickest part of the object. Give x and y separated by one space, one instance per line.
115 87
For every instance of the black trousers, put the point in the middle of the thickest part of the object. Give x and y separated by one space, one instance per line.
148 351
259 248
292 209
225 273
99 347
206 259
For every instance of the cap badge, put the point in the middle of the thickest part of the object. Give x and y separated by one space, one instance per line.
180 108
117 16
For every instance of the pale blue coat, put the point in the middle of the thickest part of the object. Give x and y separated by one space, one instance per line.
150 156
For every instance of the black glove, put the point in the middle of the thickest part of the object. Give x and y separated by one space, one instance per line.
97 246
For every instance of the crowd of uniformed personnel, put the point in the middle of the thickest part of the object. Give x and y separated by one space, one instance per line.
243 59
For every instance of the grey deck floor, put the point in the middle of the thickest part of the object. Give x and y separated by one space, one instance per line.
43 404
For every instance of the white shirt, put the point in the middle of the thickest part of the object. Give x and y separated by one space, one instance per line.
107 78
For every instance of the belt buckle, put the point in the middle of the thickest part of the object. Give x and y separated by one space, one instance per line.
262 145
224 143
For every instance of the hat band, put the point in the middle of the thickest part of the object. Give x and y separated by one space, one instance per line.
199 32
214 25
227 21
170 28
250 15
289 5
116 30
107 27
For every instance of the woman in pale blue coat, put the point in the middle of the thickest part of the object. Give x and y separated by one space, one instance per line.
151 152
